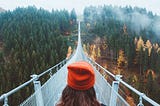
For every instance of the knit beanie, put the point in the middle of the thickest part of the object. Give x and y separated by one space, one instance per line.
80 75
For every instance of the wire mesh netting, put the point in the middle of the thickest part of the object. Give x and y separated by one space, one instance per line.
52 89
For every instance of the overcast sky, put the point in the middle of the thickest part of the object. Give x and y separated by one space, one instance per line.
152 5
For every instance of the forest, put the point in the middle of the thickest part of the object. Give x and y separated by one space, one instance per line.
31 41
128 40
124 40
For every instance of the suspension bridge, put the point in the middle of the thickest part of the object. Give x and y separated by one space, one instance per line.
50 92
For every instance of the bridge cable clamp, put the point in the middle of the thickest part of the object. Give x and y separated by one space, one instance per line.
118 77
35 77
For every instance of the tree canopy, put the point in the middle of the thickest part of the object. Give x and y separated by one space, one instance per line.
31 41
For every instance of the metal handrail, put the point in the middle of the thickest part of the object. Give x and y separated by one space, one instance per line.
139 93
116 77
52 67
16 89
35 77
102 68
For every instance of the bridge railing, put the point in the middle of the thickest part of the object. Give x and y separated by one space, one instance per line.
141 95
4 97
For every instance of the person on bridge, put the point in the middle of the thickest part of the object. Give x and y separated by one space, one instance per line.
79 90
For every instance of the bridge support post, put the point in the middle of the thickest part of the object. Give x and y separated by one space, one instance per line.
5 101
37 88
140 100
115 86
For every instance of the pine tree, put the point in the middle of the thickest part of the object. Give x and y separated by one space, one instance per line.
73 17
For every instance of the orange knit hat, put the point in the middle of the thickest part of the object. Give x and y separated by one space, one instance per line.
80 75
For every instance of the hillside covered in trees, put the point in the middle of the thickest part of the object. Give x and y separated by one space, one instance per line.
31 41
128 39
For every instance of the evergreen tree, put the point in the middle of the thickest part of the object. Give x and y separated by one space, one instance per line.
73 16
33 41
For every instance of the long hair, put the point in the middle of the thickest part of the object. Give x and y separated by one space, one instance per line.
72 97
